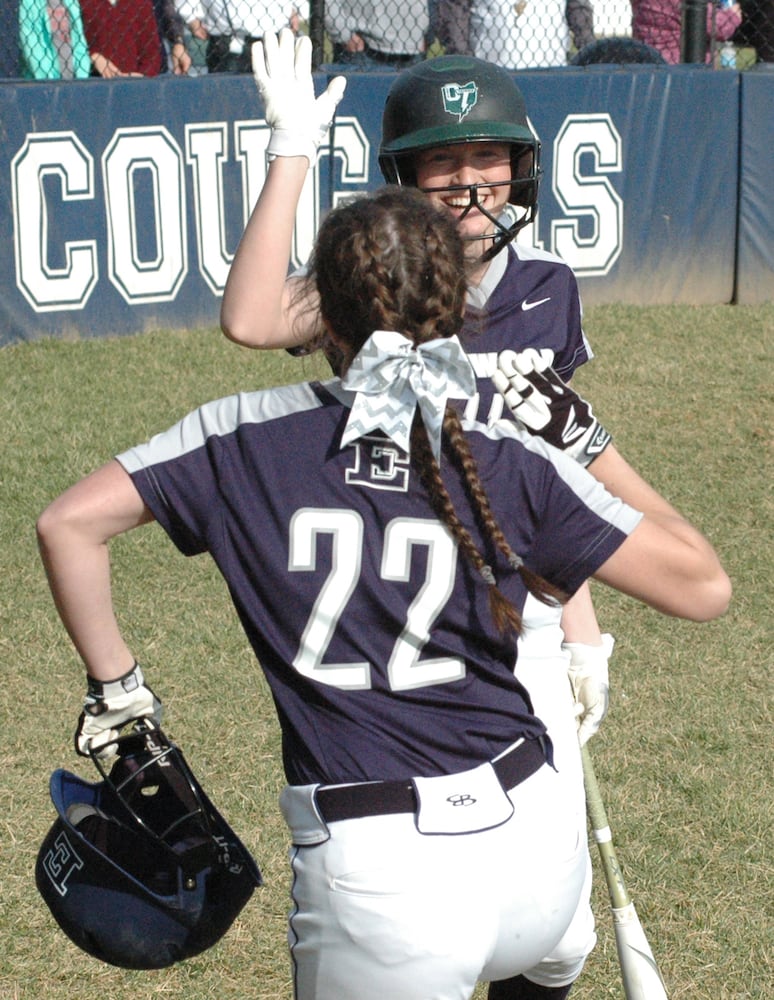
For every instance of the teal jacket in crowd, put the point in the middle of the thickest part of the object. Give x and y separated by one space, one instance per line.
38 53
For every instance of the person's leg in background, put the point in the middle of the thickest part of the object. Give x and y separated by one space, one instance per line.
522 989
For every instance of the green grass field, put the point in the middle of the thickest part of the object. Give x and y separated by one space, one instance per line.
684 758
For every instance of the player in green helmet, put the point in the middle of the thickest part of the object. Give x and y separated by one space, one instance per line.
455 127
458 102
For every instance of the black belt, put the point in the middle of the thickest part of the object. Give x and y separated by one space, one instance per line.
247 39
397 58
383 798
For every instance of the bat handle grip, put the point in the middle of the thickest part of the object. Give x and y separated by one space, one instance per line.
619 896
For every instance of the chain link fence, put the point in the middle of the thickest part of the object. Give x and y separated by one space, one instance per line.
75 39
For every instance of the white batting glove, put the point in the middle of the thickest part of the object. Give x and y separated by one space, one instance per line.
282 66
590 682
547 406
108 706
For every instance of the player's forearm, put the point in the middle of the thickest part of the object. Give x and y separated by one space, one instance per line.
676 577
79 578
256 309
620 479
666 562
73 534
579 620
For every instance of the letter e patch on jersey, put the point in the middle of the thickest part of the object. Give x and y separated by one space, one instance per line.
378 465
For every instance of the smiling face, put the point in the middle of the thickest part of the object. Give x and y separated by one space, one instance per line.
450 175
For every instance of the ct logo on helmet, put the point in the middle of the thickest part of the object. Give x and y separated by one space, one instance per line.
459 98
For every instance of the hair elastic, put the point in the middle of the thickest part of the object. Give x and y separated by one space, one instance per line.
488 575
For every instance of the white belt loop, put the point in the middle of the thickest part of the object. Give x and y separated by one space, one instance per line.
299 809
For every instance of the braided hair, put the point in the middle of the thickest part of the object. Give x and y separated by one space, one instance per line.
394 261
390 262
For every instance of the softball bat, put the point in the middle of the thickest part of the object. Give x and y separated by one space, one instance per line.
639 971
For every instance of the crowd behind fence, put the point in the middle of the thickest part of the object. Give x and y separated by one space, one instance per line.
77 39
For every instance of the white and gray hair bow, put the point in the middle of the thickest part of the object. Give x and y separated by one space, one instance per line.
391 376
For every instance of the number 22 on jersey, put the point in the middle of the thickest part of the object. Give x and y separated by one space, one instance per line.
405 668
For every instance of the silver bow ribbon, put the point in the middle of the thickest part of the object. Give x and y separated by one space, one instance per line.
391 377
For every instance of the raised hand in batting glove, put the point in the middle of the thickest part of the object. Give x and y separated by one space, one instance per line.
547 406
589 679
108 706
282 66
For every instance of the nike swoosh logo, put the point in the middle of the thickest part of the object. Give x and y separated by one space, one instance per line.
532 305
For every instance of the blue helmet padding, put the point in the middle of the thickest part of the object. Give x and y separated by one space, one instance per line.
66 789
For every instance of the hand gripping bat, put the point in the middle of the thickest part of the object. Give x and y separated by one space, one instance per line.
639 972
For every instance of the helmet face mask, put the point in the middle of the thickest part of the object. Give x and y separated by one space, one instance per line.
140 870
451 100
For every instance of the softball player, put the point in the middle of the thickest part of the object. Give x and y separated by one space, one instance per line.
380 579
457 128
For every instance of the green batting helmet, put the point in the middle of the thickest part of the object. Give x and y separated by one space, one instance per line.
459 99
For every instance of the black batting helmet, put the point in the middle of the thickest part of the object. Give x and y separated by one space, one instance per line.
140 870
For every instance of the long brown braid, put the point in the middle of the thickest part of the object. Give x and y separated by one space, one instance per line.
393 261
506 617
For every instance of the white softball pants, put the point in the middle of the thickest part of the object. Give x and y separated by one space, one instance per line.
381 910
542 669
